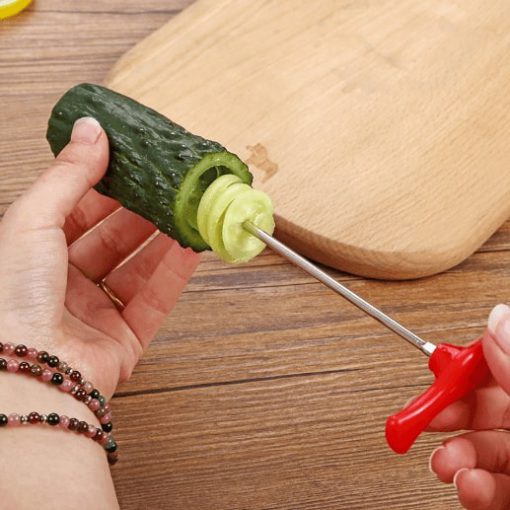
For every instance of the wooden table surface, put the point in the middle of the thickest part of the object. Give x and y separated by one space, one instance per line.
264 390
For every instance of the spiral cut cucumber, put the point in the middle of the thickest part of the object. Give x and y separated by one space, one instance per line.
191 188
225 206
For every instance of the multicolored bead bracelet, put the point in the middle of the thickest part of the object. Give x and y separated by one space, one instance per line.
82 392
71 424
66 379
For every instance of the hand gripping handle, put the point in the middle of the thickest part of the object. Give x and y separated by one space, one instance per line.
458 371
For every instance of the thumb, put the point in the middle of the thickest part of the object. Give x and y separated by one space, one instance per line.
496 345
78 167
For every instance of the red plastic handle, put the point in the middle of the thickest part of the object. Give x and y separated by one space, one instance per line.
458 371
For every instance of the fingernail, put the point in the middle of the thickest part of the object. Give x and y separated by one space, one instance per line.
497 313
432 456
456 476
86 130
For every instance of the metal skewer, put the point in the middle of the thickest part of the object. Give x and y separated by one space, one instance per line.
298 260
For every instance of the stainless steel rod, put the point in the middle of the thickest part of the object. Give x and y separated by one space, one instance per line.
312 269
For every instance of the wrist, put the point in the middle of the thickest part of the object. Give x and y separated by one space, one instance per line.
23 395
68 380
47 368
55 455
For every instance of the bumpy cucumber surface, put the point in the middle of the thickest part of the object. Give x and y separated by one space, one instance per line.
157 168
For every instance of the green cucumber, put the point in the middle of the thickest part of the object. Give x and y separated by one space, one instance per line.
157 168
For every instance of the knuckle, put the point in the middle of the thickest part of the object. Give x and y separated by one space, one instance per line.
154 301
77 220
506 416
65 165
112 240
69 156
144 269
503 460
11 211
19 214
173 272
65 169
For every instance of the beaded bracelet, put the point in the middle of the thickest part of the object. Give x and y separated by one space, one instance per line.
71 424
68 380
82 390
83 393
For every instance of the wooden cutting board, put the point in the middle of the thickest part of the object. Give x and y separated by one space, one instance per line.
381 129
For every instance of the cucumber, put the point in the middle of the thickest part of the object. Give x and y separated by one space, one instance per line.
214 223
157 168
239 244
225 206
215 190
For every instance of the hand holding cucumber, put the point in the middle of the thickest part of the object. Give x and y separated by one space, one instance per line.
53 252
166 178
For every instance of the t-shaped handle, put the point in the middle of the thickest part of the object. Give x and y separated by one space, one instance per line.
458 371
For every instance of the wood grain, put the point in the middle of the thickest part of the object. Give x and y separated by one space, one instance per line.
263 390
380 129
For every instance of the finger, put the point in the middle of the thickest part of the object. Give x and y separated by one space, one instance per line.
485 408
489 450
89 211
85 301
456 454
496 345
128 279
79 166
456 416
480 490
146 312
106 246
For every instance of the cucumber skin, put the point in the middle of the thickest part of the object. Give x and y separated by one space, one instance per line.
149 154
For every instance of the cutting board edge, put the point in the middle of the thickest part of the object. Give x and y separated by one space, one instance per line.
378 264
